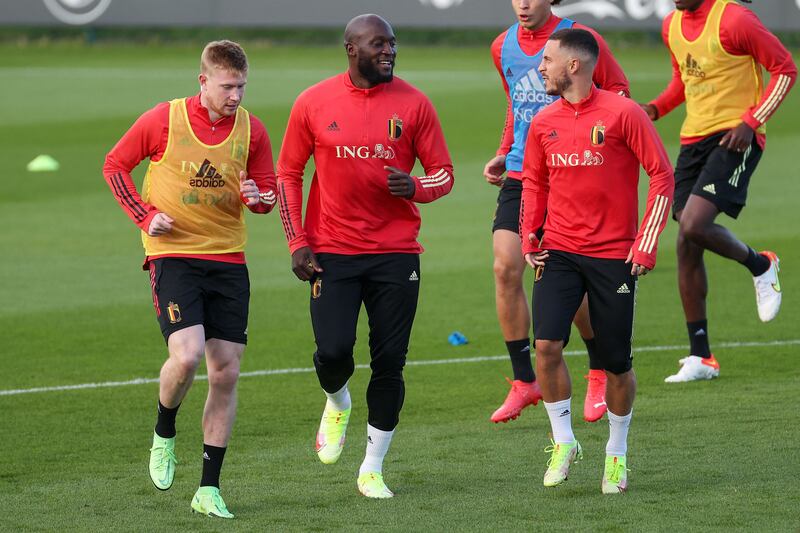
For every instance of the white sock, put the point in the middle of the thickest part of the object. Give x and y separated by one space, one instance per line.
340 399
377 445
560 414
618 433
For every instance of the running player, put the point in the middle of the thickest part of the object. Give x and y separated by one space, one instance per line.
358 241
717 49
582 161
208 157
517 53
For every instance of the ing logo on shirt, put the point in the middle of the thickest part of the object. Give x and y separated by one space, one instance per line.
363 152
590 159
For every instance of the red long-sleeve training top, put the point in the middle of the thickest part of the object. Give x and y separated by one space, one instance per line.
582 169
352 134
147 139
608 74
742 34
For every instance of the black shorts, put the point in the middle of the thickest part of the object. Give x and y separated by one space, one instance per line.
188 292
717 174
506 216
611 287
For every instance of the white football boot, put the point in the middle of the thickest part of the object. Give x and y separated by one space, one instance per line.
694 368
768 289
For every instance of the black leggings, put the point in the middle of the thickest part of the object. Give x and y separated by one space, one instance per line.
388 285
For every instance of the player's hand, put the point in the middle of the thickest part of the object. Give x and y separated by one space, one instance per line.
738 139
159 225
651 110
400 183
248 190
494 169
536 260
304 263
636 268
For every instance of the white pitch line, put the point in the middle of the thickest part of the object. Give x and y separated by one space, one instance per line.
280 371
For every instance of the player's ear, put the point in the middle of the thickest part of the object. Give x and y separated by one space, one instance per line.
350 48
203 79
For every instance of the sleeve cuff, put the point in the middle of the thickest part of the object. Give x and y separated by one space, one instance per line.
748 119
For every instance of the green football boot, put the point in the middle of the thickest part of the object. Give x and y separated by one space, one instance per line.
207 501
371 485
162 462
615 475
561 457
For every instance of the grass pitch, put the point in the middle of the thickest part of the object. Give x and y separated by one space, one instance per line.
75 309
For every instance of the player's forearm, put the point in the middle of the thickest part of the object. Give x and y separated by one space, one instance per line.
290 202
126 195
435 184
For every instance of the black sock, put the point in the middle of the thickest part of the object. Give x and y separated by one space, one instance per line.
594 360
756 263
520 352
212 464
698 338
165 424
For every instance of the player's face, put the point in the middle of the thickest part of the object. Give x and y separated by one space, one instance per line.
223 90
687 5
554 69
376 50
531 14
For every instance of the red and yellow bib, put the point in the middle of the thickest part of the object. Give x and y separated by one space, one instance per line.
719 87
197 185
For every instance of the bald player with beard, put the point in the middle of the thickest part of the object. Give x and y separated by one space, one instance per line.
358 240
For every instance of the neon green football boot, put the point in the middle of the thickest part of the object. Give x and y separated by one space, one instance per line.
162 462
208 501
371 485
561 457
615 475
331 433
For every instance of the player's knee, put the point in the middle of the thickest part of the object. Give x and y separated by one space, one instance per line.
508 273
332 353
693 229
549 351
224 376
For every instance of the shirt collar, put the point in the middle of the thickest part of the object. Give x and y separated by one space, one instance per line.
197 112
366 92
544 31
583 104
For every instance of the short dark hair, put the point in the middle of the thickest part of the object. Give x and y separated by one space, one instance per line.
555 2
578 41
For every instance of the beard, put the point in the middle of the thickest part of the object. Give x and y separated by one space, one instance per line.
370 71
559 85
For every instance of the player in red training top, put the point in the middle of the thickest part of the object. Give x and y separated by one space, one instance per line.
517 53
717 49
581 167
208 159
358 242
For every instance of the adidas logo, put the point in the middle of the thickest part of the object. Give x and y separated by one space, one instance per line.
530 89
509 74
333 126
207 176
206 457
565 412
369 439
693 68
553 134
413 276
700 332
526 349
710 188
623 289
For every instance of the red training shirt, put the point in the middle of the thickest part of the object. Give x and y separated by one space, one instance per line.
147 139
582 169
741 33
608 74
352 134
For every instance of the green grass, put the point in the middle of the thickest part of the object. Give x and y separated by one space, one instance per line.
75 308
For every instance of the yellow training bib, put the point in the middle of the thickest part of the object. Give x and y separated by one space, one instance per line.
197 185
719 87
